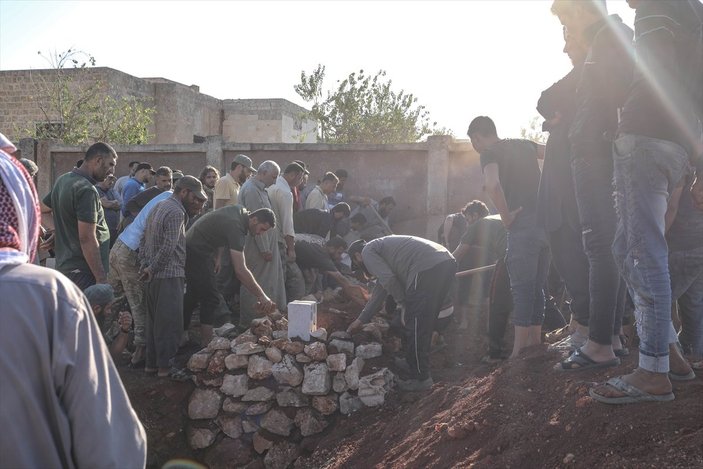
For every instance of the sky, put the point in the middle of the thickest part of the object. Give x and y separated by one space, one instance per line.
459 58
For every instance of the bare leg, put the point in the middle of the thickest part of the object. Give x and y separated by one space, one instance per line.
522 339
598 352
677 363
535 337
138 355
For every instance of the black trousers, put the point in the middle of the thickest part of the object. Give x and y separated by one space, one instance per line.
423 303
164 318
82 280
201 287
499 308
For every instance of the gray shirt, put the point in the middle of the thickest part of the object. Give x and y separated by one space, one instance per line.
396 261
62 402
253 196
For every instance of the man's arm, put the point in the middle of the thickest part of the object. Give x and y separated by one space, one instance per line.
697 191
460 251
91 250
491 181
130 191
245 276
107 203
119 343
448 223
378 296
355 292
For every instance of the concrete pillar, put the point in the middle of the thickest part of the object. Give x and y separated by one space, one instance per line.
44 160
215 156
28 149
437 180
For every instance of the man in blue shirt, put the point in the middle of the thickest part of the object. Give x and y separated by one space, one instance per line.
136 184
124 274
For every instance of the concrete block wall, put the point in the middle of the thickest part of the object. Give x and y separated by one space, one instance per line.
428 180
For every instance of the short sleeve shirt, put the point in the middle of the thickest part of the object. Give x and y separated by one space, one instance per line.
74 198
224 227
227 189
313 256
488 233
313 221
518 171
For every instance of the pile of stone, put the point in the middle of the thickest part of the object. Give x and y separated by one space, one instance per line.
263 398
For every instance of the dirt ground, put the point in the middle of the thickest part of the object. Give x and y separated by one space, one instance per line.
514 414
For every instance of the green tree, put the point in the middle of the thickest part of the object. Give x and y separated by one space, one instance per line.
364 109
533 131
77 108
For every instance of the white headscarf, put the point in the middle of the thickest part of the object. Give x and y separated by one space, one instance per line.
6 145
18 188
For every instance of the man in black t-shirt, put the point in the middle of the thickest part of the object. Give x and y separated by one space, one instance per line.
224 228
313 255
511 179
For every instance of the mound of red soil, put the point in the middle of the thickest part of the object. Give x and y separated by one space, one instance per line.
521 414
516 414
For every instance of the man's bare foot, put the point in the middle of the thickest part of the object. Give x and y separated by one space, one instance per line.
138 356
598 352
677 363
656 384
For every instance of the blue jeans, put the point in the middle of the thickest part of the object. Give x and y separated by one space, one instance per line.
686 269
593 182
646 171
527 259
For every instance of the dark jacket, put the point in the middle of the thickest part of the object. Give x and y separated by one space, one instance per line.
556 199
602 88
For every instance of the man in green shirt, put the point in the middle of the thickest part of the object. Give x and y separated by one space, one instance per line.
224 228
82 238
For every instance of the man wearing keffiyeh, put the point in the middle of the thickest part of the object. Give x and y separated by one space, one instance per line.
55 367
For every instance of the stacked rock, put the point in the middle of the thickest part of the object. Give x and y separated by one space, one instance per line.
266 397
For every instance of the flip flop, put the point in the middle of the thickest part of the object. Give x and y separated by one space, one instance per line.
631 394
579 361
691 375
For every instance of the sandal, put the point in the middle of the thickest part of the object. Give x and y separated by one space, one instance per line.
579 361
691 375
630 393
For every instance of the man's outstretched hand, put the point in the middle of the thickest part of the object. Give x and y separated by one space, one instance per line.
355 326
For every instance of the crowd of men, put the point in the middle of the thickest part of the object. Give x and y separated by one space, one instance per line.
617 204
616 210
228 247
